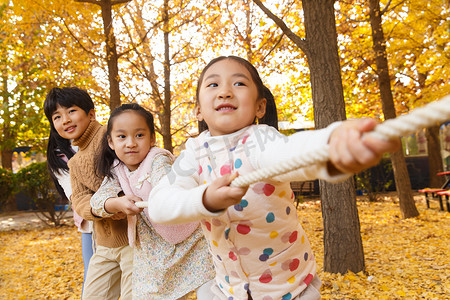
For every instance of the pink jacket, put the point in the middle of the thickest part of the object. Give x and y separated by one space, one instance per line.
138 183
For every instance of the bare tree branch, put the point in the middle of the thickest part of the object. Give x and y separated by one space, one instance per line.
274 46
301 43
89 1
78 41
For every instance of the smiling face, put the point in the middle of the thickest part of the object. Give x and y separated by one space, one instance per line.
228 98
71 122
131 138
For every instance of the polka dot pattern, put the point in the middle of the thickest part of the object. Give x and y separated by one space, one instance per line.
266 253
270 217
208 225
291 264
225 169
243 204
265 215
216 222
237 163
243 229
289 237
308 279
287 296
263 188
244 251
266 277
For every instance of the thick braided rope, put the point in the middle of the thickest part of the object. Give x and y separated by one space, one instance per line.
432 114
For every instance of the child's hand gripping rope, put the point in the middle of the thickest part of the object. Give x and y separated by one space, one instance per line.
354 146
432 114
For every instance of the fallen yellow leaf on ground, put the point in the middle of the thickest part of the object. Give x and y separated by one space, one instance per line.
405 259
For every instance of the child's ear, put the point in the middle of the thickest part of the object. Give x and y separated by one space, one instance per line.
91 115
110 143
153 140
261 108
198 113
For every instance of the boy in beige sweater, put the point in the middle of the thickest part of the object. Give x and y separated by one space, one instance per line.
109 272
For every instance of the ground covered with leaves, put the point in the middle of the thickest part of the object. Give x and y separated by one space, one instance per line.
405 259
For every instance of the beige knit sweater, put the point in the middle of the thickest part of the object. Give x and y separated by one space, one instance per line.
108 232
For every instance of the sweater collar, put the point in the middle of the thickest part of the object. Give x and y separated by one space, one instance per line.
85 139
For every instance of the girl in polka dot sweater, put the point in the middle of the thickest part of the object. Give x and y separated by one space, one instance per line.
259 248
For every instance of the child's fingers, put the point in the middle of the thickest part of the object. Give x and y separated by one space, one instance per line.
135 198
131 208
219 195
225 180
381 146
352 151
349 154
340 151
234 176
365 124
236 191
364 155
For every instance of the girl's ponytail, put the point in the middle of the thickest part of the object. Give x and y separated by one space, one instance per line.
57 148
59 151
105 159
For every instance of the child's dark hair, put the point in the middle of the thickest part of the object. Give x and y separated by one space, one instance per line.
67 97
107 155
57 146
270 118
59 151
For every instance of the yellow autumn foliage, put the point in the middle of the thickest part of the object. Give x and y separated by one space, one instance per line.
405 259
41 264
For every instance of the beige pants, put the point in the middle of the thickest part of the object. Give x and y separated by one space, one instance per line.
109 274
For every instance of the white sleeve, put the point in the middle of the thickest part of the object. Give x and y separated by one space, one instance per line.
272 147
64 181
178 197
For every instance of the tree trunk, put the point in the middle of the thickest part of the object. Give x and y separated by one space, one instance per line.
111 54
434 157
166 117
433 145
10 204
403 184
343 248
7 158
6 151
342 237
111 48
